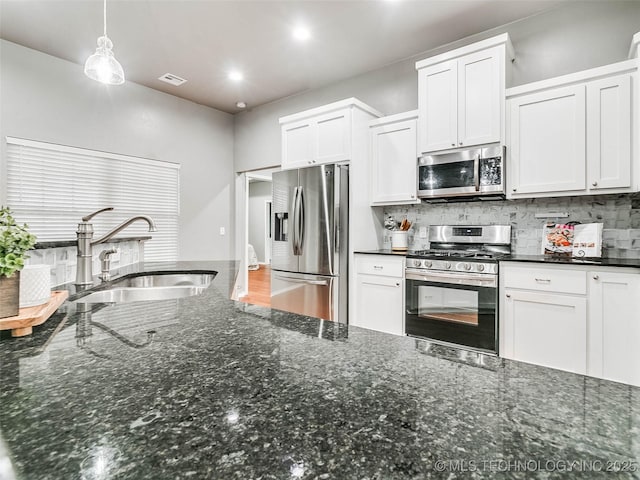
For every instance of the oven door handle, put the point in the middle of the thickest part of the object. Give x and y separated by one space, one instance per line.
475 280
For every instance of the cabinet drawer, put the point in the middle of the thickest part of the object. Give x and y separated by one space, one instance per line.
545 279
386 265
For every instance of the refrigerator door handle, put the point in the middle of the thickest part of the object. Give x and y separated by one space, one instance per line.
299 280
294 218
300 219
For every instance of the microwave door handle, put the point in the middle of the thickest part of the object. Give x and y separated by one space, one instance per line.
476 172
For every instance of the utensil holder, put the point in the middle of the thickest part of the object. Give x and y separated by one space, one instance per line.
400 240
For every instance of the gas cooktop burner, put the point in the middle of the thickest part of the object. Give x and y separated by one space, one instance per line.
453 253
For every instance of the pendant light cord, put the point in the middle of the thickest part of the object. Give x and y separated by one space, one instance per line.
105 17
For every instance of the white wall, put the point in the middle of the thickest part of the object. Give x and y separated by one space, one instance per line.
573 38
259 193
48 99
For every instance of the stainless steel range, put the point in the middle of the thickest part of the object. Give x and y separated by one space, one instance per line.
452 288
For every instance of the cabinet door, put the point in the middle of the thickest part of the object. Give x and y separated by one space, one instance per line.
480 94
333 137
609 132
547 151
379 304
614 326
297 144
546 329
438 107
393 163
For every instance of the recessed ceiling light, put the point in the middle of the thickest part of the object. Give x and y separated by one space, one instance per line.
236 76
301 33
241 105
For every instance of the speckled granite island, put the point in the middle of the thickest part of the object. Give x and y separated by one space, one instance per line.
204 388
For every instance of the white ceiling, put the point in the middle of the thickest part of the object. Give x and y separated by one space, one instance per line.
203 40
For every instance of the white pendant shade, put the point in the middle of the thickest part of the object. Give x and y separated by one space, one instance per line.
102 66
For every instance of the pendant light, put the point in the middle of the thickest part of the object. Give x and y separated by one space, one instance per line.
102 66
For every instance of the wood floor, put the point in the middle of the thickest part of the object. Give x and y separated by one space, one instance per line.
259 287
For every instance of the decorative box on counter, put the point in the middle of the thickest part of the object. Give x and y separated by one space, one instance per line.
572 239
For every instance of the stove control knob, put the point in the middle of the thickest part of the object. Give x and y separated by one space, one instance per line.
447 265
416 263
467 266
428 263
481 268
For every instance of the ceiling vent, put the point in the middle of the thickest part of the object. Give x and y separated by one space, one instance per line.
172 79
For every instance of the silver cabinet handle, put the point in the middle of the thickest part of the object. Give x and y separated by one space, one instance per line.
596 277
543 280
378 267
413 196
595 184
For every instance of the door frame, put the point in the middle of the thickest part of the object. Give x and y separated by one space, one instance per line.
241 287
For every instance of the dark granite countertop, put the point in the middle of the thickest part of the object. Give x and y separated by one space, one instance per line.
599 262
205 387
73 243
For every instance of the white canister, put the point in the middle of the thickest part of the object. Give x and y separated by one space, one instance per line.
400 240
35 288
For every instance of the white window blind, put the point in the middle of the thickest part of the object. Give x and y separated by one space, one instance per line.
51 187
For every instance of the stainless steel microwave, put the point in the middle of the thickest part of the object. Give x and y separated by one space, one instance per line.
469 173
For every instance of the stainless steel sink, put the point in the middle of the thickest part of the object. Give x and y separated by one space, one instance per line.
165 280
151 287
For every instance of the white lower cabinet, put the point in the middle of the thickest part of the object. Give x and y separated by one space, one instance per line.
379 293
572 318
614 326
546 329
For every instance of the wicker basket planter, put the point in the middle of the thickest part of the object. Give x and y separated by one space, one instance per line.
9 295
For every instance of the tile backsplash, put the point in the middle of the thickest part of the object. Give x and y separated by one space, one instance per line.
620 215
62 260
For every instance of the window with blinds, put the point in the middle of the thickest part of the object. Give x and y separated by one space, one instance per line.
51 187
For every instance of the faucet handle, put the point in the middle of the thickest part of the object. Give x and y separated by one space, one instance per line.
86 218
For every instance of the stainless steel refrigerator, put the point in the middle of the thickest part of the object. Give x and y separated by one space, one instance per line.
309 257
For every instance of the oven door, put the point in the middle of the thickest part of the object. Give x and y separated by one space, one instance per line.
453 308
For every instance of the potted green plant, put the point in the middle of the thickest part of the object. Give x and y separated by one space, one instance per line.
15 240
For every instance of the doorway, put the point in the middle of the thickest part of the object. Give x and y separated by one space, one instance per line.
253 282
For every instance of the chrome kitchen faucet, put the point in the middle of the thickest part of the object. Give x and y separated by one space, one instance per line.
84 235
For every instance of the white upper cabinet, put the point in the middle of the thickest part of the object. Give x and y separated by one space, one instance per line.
480 97
393 159
461 96
438 106
573 135
609 132
321 135
297 144
547 147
